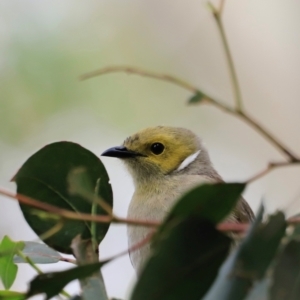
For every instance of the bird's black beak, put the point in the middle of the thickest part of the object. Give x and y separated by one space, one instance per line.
120 152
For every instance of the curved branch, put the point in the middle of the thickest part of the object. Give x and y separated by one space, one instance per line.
210 100
67 214
271 166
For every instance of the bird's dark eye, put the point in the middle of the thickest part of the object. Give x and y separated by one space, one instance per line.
157 148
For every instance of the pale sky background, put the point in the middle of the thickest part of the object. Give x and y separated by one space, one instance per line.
46 45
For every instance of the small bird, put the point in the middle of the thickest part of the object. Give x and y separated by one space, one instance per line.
164 163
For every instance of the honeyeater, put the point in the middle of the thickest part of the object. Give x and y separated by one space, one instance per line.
164 163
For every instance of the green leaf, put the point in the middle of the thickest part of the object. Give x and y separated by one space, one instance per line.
260 290
196 98
11 295
286 272
187 248
8 269
185 262
81 184
76 297
52 283
250 261
39 254
210 201
296 290
44 176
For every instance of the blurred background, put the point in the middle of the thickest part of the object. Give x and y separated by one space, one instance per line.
46 45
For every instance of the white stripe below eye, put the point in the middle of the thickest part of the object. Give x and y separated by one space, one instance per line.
188 160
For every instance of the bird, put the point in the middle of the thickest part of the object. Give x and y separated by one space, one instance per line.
165 162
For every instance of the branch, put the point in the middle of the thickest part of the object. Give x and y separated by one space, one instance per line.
178 82
271 166
217 13
144 73
38 270
223 227
67 214
133 248
268 136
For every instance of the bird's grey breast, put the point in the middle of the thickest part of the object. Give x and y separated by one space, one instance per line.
154 204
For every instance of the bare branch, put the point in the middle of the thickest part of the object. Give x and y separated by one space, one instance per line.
232 71
271 166
141 72
221 6
133 248
67 214
179 82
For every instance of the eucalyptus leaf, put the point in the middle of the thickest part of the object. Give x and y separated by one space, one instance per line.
52 283
249 262
210 201
11 295
187 249
184 263
44 176
8 269
260 290
196 98
38 253
286 272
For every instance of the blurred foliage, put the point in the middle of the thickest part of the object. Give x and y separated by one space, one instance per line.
189 257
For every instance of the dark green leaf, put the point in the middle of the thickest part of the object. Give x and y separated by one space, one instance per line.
44 177
286 272
76 297
52 283
11 295
295 234
184 264
196 98
80 183
39 254
260 290
187 248
250 261
296 290
8 269
210 201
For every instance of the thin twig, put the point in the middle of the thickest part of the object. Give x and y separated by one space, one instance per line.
133 248
178 82
68 260
144 73
53 230
232 72
244 116
73 215
30 262
224 227
271 166
221 6
293 220
233 227
38 270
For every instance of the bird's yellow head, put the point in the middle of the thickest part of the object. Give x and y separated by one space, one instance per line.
159 151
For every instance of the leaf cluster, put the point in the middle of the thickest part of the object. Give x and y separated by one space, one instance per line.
191 258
